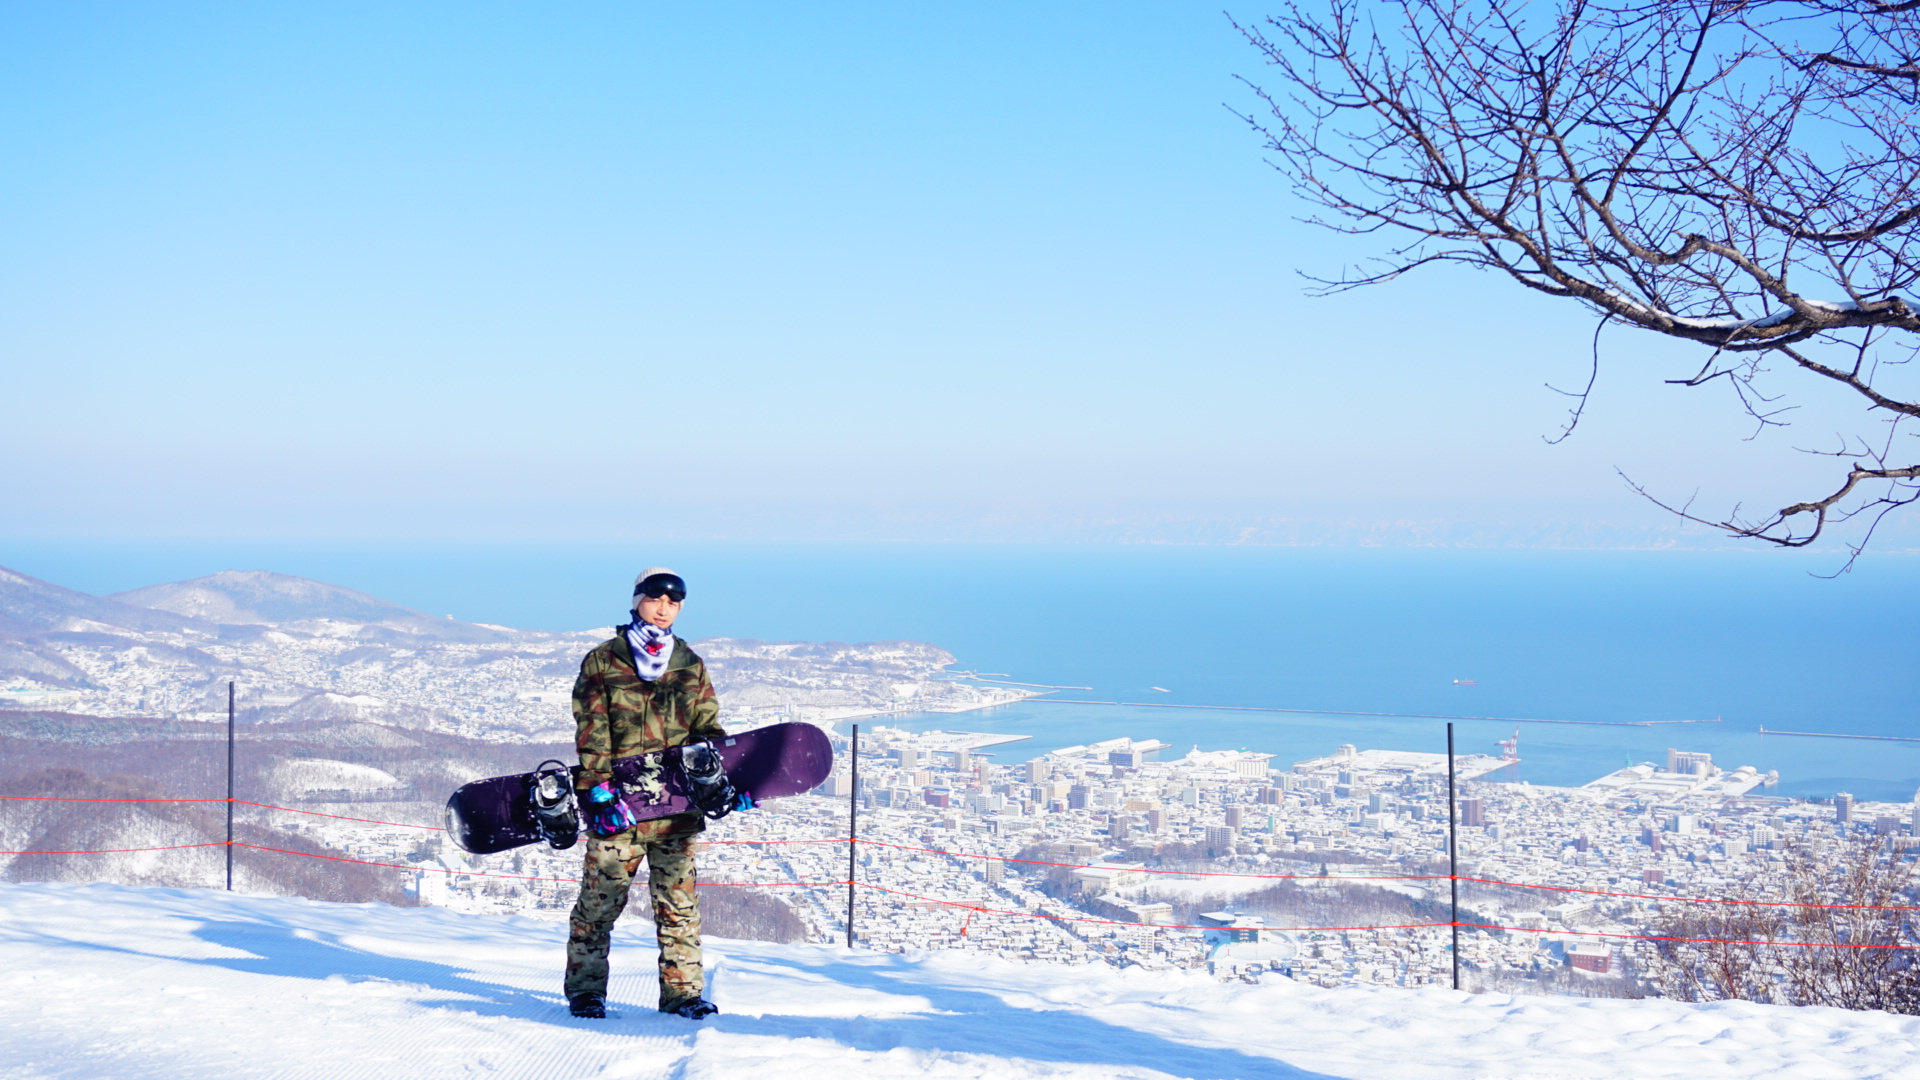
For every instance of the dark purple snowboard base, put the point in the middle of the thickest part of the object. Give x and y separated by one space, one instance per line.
496 814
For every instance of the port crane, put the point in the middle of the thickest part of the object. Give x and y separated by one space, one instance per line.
1510 748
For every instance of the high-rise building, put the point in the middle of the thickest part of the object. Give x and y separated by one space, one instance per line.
1233 817
996 871
984 802
1843 807
1219 840
1033 772
1270 796
909 757
1583 843
1117 828
1376 803
1077 797
1156 820
1473 812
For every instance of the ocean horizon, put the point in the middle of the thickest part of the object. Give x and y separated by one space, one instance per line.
1604 637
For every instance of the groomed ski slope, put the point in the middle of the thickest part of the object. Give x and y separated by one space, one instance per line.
101 981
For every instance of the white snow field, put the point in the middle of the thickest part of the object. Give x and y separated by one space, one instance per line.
104 981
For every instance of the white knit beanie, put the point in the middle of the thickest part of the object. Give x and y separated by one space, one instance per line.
644 575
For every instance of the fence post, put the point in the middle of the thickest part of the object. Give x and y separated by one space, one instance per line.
853 826
1453 858
229 787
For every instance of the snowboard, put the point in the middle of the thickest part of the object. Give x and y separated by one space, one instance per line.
498 813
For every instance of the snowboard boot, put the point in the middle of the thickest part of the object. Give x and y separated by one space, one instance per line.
590 1006
553 808
694 1008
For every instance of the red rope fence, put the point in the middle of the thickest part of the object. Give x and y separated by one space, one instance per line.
976 908
1116 922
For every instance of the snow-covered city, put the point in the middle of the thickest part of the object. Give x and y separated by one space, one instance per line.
1125 852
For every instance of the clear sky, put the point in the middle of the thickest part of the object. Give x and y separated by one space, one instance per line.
982 270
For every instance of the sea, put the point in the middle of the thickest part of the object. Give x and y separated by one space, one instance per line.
1592 659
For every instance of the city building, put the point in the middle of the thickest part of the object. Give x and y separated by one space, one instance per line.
1587 957
1689 763
1151 911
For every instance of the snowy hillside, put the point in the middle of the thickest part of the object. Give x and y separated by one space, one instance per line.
264 598
304 650
106 981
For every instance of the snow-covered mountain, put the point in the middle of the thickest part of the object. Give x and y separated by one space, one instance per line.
106 981
261 597
302 650
29 605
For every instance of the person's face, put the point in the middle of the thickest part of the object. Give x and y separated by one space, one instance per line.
659 610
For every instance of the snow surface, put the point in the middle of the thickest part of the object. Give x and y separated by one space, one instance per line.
110 981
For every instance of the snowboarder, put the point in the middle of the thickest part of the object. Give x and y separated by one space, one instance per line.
641 691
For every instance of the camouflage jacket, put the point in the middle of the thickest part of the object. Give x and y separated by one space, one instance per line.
616 714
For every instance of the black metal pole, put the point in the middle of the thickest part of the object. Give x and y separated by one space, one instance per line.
853 826
229 787
1453 859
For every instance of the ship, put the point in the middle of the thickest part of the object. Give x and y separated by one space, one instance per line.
1466 682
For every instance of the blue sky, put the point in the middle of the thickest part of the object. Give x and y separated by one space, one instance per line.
981 271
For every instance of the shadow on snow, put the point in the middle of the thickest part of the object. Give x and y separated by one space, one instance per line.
966 1021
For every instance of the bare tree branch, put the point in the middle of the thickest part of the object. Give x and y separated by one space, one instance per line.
1740 174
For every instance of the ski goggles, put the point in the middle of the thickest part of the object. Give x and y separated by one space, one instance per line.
659 585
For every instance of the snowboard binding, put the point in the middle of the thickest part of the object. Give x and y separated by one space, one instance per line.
707 784
553 807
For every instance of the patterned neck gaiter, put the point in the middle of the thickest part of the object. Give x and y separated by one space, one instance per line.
652 648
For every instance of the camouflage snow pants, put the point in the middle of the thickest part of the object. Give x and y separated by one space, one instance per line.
611 865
